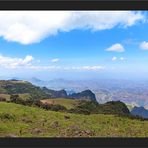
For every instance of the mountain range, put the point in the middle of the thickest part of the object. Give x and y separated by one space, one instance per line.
27 90
131 92
140 111
13 86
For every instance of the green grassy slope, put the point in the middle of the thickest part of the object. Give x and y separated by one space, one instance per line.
22 87
68 103
24 96
24 121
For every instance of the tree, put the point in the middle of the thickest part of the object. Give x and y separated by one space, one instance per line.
16 99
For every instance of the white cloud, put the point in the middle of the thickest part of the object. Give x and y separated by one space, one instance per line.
73 68
122 58
27 63
144 45
55 60
91 68
114 58
28 27
9 62
116 47
44 67
27 59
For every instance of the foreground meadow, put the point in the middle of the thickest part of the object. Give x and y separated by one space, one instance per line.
23 121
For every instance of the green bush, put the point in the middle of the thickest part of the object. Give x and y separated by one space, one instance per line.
55 107
58 107
85 107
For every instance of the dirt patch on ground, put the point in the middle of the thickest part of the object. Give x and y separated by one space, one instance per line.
48 101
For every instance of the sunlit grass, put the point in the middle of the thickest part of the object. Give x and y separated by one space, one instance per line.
24 121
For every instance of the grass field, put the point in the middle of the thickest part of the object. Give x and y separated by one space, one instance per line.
23 121
24 96
68 103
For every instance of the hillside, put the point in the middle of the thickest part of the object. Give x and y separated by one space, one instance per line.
68 103
23 121
26 90
92 107
9 87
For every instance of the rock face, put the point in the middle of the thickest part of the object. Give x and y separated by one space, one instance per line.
140 111
54 93
84 95
59 94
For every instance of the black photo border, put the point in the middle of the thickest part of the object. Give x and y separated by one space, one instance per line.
73 4
74 142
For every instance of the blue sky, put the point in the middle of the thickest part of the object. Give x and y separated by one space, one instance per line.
74 45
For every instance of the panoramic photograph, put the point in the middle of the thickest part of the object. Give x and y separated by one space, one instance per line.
73 74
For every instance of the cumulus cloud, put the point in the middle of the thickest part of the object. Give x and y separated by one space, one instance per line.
144 45
9 62
55 60
116 48
27 63
28 27
27 59
114 58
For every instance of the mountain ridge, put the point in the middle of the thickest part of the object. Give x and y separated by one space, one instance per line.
14 86
140 111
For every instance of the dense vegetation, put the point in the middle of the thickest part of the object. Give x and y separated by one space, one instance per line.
85 107
91 107
37 103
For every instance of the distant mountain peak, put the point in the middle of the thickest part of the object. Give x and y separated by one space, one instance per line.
84 95
140 111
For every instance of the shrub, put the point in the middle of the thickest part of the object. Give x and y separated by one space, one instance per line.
54 107
85 107
2 99
57 107
6 116
15 98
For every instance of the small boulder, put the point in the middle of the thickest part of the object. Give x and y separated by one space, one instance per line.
11 136
36 131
